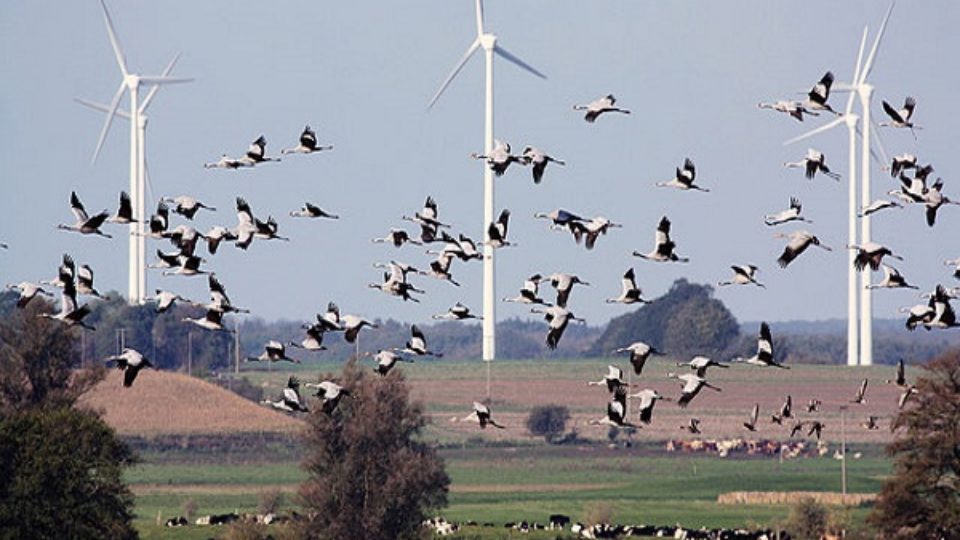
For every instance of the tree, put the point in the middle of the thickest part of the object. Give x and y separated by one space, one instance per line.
37 361
369 475
922 498
684 322
548 421
61 468
63 476
807 520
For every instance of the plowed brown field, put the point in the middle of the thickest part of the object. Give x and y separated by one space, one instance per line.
162 403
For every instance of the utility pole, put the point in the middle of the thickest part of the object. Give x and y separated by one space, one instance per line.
843 452
236 347
121 339
190 354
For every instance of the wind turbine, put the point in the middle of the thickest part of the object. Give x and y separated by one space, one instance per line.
859 351
131 82
490 46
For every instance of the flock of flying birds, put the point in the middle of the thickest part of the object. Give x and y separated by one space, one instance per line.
185 261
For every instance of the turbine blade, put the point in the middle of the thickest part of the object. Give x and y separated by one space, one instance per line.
512 58
149 184
882 158
109 120
876 44
153 91
101 107
856 70
479 18
466 56
829 125
164 80
114 42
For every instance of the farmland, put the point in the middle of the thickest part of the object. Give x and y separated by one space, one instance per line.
502 476
510 484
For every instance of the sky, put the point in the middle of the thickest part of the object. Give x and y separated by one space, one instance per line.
362 73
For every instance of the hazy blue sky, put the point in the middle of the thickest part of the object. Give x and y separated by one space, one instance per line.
361 73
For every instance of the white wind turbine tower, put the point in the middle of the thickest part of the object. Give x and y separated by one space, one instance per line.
131 82
859 351
490 46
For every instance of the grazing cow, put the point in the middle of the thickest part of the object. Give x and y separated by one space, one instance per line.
178 521
558 521
441 526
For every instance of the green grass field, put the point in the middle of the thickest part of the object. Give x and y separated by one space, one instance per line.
512 484
511 476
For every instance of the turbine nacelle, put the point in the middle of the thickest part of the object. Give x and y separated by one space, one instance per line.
488 41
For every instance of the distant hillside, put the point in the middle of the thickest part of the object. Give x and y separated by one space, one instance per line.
456 340
161 402
824 327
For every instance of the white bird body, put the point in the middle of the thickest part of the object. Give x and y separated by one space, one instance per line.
744 274
539 160
499 158
28 291
797 243
130 361
764 356
934 199
314 339
813 163
186 205
124 213
481 415
692 385
417 344
290 400
352 325
616 412
591 230
397 237
648 398
85 224
212 320
529 291
901 118
786 216
878 205
599 106
497 231
310 210
70 314
683 180
216 235
330 393
892 279
226 162
273 351
307 144
795 109
457 312
639 352
629 292
613 379
557 318
663 250
700 365
871 253
563 283
387 360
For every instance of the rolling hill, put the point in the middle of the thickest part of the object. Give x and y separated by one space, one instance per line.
162 402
